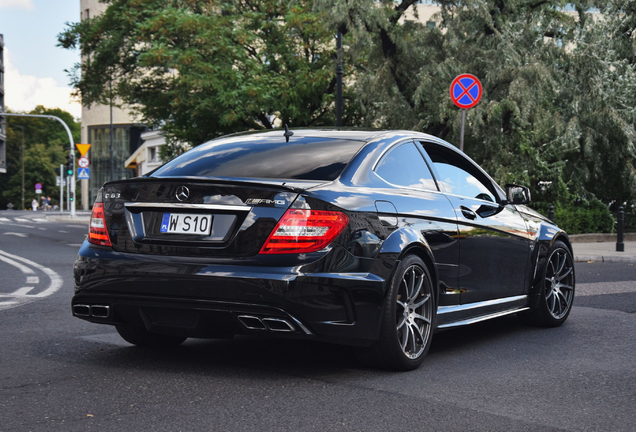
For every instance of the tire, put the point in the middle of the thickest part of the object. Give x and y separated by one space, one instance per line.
142 337
408 319
557 289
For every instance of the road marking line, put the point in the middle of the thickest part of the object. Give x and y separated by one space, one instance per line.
21 291
4 219
21 220
33 280
16 234
56 280
74 244
40 219
62 231
15 224
77 226
24 269
42 229
7 303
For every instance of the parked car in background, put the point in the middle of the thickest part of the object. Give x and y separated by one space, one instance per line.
373 239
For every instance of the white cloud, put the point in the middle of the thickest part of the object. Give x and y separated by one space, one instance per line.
17 4
25 92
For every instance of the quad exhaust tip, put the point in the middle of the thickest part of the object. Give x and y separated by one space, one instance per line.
95 311
271 324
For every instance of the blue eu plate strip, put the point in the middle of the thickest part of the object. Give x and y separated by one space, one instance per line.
165 222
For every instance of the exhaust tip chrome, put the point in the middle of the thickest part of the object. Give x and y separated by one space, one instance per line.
100 311
252 322
81 310
278 325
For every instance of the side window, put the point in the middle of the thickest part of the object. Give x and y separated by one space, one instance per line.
404 166
457 175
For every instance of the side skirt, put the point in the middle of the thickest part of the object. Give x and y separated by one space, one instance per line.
459 315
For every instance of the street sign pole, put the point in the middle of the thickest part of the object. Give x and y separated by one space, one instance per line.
461 135
61 188
70 138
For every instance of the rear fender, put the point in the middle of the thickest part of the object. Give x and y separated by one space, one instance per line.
402 242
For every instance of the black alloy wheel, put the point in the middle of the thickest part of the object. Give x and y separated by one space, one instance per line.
557 289
142 337
408 321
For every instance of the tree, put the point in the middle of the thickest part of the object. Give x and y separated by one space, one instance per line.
556 106
200 69
46 147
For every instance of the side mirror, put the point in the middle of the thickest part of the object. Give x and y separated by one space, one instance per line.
517 194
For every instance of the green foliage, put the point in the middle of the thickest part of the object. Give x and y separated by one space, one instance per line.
46 147
204 68
583 216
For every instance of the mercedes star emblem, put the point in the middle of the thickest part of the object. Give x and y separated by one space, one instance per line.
183 193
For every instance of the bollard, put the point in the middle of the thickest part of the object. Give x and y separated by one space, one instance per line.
551 213
620 246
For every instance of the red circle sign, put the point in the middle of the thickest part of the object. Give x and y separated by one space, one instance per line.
83 162
465 91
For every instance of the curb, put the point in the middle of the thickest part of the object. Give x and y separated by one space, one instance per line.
600 258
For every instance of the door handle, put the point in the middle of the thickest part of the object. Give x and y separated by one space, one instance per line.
468 213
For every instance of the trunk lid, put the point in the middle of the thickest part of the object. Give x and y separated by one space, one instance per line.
234 217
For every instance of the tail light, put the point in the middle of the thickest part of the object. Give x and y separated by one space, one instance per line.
97 232
301 231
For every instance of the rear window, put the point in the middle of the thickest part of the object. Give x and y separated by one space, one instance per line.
303 158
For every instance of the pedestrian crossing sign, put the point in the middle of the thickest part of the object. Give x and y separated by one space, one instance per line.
83 173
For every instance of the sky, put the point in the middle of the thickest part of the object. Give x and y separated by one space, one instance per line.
33 64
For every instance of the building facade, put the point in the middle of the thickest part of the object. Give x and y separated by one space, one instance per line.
96 126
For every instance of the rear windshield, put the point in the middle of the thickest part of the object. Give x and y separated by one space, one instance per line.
304 158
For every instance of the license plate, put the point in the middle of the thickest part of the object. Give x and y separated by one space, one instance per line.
183 223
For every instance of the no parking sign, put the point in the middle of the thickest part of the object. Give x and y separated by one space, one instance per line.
465 92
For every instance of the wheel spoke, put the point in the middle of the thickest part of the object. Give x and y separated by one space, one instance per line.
420 317
561 263
552 305
405 336
401 322
562 276
419 335
566 287
419 287
411 286
421 302
413 343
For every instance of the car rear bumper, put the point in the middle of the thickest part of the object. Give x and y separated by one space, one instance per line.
199 298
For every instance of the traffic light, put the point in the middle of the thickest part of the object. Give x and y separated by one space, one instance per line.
69 165
72 196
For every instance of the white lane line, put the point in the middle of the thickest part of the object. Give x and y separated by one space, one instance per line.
21 220
33 280
74 244
4 219
39 219
15 224
42 229
62 231
24 269
21 291
16 234
77 226
8 303
56 280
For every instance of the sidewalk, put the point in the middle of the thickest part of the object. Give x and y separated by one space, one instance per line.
81 216
604 252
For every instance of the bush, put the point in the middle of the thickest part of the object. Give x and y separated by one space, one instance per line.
582 216
630 222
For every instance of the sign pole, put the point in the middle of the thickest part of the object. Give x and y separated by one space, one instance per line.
61 189
461 134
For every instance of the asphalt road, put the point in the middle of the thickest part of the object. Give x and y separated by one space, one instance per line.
60 373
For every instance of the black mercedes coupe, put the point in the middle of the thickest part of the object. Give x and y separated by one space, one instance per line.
374 239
